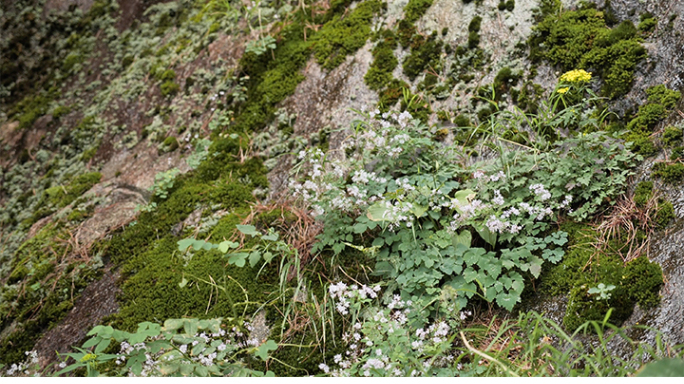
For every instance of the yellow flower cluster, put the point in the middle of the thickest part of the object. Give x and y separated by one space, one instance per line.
576 76
563 90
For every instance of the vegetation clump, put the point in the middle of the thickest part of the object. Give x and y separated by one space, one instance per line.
580 39
342 36
379 74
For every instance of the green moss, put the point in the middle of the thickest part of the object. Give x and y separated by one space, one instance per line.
390 95
637 282
643 280
28 110
580 39
415 9
168 75
70 62
405 33
643 193
169 88
647 23
43 297
506 5
641 144
61 196
664 215
672 136
379 74
677 153
670 173
474 32
659 103
424 54
60 111
345 35
169 144
504 80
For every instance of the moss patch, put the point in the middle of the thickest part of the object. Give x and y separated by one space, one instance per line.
580 39
345 35
379 74
637 282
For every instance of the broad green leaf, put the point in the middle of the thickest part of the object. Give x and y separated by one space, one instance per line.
198 244
263 349
268 256
506 300
225 245
190 326
384 268
91 342
487 235
238 259
199 348
102 345
464 197
464 238
247 229
663 368
184 244
377 212
272 236
418 210
173 324
254 258
359 228
469 275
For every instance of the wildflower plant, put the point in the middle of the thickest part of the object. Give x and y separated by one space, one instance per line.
383 341
441 233
181 347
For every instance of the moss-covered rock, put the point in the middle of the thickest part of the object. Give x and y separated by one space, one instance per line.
582 268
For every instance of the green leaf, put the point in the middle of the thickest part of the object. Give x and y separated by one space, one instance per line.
183 283
91 342
70 368
263 349
377 212
384 268
238 259
102 346
464 238
184 244
506 300
464 197
487 235
190 326
198 244
247 229
268 256
359 228
663 368
272 236
173 324
225 245
254 258
418 210
469 275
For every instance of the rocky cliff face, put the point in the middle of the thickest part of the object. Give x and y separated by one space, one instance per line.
102 102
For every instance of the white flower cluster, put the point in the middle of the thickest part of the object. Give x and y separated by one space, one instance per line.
540 190
344 294
23 367
207 355
323 186
509 219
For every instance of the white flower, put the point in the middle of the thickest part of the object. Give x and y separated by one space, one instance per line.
324 367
